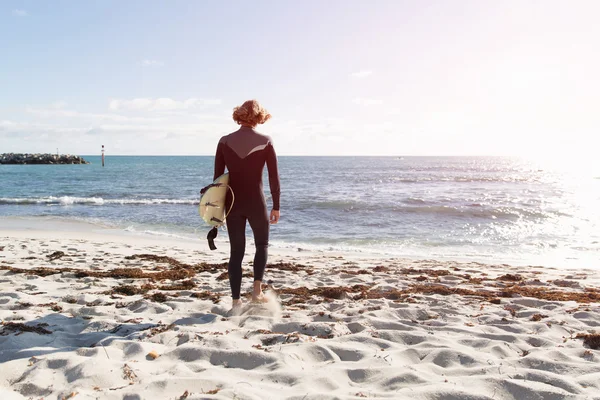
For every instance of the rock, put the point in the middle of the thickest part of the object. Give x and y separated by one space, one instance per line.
23 159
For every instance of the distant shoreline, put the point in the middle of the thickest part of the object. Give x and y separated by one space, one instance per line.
37 159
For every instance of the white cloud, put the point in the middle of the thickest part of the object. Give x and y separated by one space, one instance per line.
366 102
160 104
57 110
58 124
138 129
83 137
51 112
361 74
57 105
34 128
152 63
7 124
20 13
179 129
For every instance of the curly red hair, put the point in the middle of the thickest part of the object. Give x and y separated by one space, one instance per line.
250 113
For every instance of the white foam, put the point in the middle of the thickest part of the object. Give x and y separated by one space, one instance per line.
71 200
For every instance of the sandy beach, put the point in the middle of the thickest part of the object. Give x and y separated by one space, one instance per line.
88 313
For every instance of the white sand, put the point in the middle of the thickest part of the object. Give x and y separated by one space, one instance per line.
94 345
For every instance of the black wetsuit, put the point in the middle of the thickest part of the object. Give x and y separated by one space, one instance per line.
245 153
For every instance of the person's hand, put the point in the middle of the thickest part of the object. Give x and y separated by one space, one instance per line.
274 218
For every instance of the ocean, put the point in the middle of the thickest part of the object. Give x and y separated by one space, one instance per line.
489 209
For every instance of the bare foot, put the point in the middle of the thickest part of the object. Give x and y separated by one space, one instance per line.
236 303
257 294
236 308
259 298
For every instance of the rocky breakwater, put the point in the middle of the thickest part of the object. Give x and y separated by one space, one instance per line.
18 158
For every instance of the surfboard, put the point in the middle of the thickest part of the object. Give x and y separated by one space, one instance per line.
212 203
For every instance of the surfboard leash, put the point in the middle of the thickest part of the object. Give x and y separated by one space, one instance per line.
212 234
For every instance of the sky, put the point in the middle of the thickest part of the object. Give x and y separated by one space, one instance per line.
340 77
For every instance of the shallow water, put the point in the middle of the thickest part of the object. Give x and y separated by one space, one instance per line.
491 209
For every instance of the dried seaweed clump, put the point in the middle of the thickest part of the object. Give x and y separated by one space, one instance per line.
589 295
159 297
381 268
161 259
283 266
538 317
202 267
55 256
206 295
355 272
19 328
446 291
183 285
427 271
174 274
130 290
510 278
591 340
304 294
161 328
393 294
40 271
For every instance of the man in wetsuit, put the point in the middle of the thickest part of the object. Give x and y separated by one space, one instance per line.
245 153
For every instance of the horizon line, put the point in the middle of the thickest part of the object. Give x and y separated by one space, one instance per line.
281 155
311 155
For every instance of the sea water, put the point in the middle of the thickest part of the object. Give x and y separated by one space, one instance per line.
491 209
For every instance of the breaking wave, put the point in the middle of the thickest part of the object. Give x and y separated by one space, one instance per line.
69 200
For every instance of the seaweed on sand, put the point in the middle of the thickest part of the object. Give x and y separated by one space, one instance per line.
19 328
592 340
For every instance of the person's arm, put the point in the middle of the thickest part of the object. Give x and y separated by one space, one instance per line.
219 162
273 176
